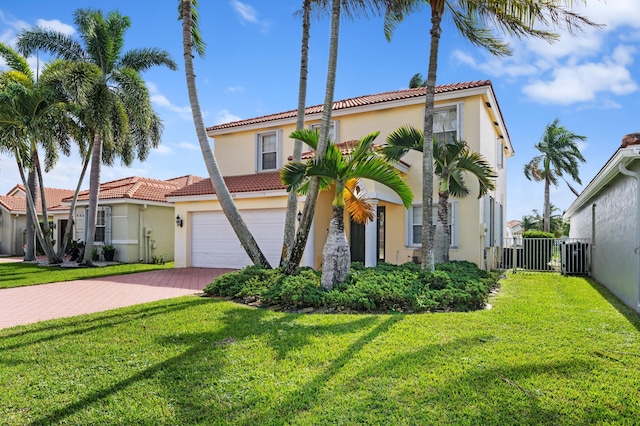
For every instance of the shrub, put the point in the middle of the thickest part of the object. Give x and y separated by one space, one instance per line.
454 286
537 234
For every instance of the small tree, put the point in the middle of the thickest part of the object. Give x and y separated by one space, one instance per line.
343 171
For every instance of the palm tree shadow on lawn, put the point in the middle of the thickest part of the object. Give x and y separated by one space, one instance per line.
203 361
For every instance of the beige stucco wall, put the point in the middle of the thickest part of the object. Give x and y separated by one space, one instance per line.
128 224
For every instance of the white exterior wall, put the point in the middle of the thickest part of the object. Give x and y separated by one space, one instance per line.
614 262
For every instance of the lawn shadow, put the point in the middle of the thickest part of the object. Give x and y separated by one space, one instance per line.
65 327
477 395
204 351
632 316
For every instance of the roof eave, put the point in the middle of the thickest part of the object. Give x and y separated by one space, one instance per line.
604 176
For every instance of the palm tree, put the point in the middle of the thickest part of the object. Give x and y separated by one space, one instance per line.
292 201
33 114
472 19
417 81
351 8
192 41
559 155
116 101
343 170
453 160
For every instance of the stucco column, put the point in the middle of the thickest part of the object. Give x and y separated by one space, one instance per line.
309 252
371 243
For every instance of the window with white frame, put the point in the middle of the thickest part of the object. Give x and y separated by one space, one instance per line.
500 154
268 148
414 222
445 124
333 130
103 225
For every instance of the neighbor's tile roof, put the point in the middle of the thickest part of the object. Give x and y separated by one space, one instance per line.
140 188
357 102
18 202
268 181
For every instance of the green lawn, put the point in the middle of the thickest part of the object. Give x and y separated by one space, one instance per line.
553 350
22 274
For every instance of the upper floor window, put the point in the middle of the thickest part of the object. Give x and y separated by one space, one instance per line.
268 149
500 154
333 130
445 124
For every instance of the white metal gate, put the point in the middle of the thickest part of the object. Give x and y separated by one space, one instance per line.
569 256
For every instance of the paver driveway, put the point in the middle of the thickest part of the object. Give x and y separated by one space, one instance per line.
25 305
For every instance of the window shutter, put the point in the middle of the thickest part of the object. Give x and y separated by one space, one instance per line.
86 223
258 153
107 225
279 149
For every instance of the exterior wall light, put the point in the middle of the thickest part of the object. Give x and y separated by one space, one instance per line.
179 221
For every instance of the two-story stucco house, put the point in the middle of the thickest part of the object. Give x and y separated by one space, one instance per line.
251 152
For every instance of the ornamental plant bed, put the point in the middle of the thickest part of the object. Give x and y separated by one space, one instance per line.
454 286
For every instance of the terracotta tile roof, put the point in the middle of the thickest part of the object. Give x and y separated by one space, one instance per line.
268 181
139 188
513 223
357 102
18 202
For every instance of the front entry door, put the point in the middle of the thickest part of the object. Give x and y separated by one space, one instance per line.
356 242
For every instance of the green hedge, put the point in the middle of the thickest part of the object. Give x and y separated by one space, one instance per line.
454 286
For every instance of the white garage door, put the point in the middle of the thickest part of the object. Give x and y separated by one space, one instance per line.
215 245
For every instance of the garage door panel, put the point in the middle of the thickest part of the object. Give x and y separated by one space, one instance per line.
215 245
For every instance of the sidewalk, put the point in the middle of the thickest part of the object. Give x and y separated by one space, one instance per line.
26 305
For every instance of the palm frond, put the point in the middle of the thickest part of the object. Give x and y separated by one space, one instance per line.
143 59
198 42
379 170
401 140
15 61
59 44
358 204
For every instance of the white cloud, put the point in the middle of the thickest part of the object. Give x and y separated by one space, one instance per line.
247 12
235 89
496 67
163 150
582 83
56 25
188 145
160 100
224 116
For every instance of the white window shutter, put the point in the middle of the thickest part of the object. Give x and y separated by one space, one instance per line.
107 225
258 153
279 149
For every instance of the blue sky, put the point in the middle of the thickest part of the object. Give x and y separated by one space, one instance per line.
590 81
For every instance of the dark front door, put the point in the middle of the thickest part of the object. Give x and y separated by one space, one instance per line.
62 226
356 242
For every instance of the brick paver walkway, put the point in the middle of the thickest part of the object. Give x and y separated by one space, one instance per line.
25 305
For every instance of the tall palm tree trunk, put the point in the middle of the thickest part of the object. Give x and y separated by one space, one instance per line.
336 256
222 192
69 228
32 216
292 201
94 194
442 236
428 261
47 247
546 217
314 186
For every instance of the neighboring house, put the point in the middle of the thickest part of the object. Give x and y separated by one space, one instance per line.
514 232
251 152
607 212
133 216
13 217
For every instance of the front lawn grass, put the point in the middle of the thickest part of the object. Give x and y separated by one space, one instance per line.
23 274
552 350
